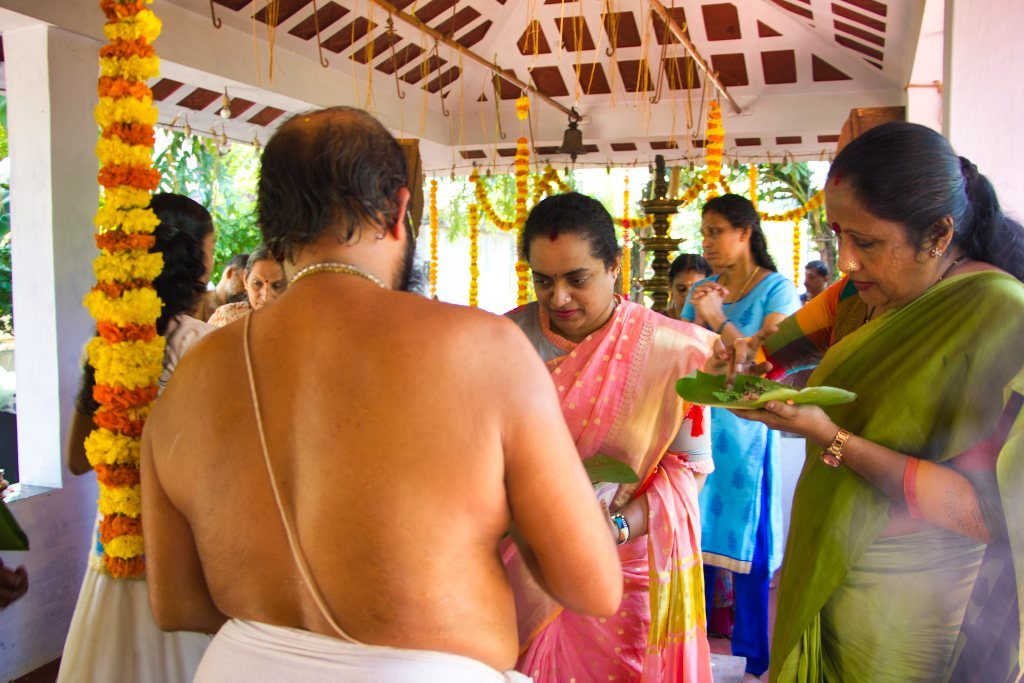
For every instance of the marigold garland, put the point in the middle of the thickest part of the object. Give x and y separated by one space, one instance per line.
522 108
433 237
128 332
139 306
522 168
127 354
752 175
715 143
796 251
115 240
134 220
474 252
796 214
522 282
626 243
103 447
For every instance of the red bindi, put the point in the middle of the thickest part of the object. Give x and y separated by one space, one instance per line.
553 235
839 176
836 229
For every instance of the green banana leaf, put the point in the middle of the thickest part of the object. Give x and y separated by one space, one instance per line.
709 390
605 469
11 535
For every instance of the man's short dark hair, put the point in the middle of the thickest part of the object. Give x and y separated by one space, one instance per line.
818 267
237 261
330 171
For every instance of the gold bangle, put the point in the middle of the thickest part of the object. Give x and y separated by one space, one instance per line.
833 455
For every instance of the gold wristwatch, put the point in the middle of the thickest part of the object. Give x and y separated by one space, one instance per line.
833 455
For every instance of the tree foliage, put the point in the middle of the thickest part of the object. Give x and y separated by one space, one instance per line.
222 180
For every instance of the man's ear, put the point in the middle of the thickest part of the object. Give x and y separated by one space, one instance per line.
399 228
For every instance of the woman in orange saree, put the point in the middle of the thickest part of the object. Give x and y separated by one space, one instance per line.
615 364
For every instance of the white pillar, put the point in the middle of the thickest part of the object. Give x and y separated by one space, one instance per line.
983 97
51 90
924 89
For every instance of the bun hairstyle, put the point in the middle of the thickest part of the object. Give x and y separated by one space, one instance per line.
909 174
741 213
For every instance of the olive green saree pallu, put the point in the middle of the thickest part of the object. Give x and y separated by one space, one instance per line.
933 378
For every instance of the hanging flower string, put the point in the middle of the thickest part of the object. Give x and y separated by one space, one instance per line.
796 251
433 237
626 244
522 108
813 204
126 354
474 253
752 175
715 143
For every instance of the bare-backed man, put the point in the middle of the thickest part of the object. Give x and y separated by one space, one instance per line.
404 438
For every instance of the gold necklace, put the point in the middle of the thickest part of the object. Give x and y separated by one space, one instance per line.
747 284
334 267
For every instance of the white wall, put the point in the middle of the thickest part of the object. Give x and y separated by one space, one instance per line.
51 90
983 98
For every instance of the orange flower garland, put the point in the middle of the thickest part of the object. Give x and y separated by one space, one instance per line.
127 353
474 252
522 283
433 237
752 174
715 141
522 166
796 214
796 252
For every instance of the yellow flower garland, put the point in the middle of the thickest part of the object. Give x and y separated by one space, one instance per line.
474 252
125 110
131 364
715 143
522 282
812 204
796 251
433 237
127 356
144 25
104 447
120 500
523 108
131 220
752 174
111 151
139 306
122 266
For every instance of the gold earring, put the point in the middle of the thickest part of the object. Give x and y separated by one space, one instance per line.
934 252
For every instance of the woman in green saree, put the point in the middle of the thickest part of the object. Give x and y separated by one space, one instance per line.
905 557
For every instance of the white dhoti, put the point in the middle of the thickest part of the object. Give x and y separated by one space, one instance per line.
251 651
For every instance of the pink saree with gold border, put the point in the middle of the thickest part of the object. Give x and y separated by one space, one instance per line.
617 391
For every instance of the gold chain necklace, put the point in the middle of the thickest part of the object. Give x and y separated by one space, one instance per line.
746 284
334 267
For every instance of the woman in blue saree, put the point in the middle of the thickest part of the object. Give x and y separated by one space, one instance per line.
740 505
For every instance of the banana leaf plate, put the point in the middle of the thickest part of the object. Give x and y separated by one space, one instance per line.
749 392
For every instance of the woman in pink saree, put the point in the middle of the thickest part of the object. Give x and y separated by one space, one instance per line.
615 365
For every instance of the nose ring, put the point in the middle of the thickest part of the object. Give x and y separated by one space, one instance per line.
851 266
